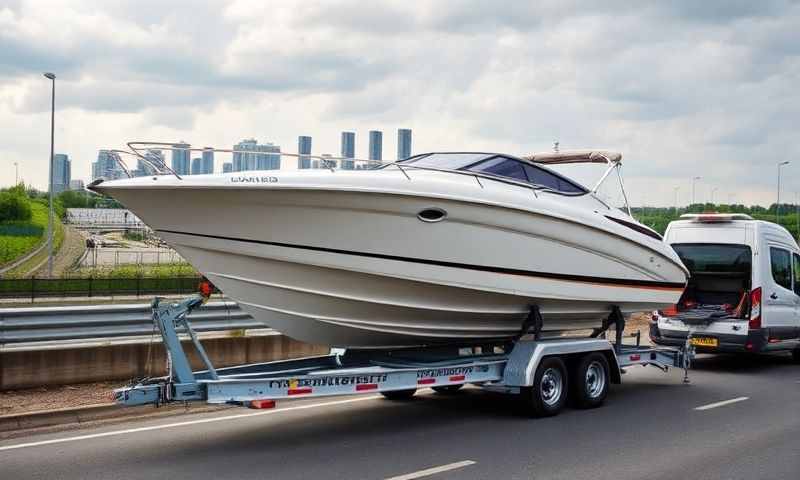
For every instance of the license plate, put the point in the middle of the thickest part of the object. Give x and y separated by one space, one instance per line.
705 342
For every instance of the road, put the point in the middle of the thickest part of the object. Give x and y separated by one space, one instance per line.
748 426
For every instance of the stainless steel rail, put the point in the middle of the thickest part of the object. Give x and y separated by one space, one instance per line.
38 324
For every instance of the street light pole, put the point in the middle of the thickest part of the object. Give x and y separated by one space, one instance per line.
50 222
676 198
778 204
694 179
712 194
16 173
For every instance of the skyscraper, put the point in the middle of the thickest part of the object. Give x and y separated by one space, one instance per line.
303 148
227 167
76 185
207 165
263 157
180 158
197 168
106 166
348 149
375 145
403 143
62 171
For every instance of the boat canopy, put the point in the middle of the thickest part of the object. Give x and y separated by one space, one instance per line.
575 156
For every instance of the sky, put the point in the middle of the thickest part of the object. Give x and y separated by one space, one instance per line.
681 88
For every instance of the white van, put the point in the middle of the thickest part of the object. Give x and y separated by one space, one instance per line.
744 293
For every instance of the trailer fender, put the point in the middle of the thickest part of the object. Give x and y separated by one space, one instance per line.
527 354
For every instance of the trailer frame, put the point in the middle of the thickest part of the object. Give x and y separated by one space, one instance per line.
509 366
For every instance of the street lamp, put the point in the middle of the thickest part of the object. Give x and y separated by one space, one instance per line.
778 204
676 198
52 77
16 173
694 179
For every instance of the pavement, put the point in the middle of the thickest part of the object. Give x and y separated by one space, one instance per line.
739 418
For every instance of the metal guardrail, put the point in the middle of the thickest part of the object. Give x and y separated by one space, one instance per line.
38 324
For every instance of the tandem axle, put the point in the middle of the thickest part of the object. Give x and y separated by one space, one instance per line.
541 370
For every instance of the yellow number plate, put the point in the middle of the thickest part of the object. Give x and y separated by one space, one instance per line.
705 342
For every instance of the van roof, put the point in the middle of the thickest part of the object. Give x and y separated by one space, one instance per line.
715 217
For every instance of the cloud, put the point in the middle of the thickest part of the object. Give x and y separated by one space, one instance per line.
680 87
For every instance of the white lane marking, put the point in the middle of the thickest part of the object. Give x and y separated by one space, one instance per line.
722 403
186 423
433 471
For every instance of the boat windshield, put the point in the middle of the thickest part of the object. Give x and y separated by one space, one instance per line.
446 161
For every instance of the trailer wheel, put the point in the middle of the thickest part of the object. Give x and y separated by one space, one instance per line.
548 394
590 381
400 394
447 389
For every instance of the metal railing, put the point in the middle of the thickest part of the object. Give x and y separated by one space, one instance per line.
33 288
39 324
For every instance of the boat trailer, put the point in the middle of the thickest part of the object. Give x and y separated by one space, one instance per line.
537 367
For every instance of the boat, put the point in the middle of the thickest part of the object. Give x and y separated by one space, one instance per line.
447 247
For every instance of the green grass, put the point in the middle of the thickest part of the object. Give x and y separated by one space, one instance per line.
133 271
19 238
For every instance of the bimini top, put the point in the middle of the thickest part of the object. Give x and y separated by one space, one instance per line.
575 156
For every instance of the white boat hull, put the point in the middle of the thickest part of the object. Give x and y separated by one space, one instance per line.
359 269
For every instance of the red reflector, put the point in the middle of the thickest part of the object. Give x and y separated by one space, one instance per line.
426 381
262 404
298 391
457 378
366 386
635 358
748 346
774 340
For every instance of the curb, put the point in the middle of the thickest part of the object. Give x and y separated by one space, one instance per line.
91 413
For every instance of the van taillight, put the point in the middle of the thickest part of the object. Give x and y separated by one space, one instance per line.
670 311
755 308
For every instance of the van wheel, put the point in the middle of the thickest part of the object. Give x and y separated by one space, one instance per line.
448 389
400 394
590 381
548 394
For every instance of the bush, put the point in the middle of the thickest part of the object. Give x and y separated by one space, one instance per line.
14 207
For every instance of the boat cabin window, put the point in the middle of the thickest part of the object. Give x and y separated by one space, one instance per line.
510 168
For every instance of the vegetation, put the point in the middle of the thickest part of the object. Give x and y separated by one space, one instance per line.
133 271
659 218
18 237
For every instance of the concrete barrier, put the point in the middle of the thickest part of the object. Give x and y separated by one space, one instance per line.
23 368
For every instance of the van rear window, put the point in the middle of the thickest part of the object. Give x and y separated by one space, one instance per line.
714 258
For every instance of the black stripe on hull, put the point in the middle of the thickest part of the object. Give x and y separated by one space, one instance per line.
481 268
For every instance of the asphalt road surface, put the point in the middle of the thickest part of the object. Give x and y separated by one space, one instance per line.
740 418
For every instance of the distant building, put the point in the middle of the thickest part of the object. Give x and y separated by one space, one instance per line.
252 156
375 145
348 149
62 171
227 167
197 166
154 156
106 166
207 164
180 158
303 148
76 185
403 143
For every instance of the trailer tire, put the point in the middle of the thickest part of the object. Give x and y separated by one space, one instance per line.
448 389
400 394
548 394
590 381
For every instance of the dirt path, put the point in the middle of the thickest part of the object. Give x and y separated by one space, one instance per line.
72 247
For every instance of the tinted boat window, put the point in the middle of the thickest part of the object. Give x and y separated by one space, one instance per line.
502 167
550 180
781 267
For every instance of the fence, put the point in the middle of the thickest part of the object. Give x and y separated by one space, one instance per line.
108 321
101 257
33 288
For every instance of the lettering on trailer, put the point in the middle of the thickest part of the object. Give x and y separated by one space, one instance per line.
327 381
254 179
445 372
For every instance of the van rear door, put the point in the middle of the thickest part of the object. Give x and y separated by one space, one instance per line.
779 301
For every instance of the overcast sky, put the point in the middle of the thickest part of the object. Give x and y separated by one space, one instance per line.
702 88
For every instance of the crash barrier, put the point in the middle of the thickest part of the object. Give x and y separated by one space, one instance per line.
38 324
